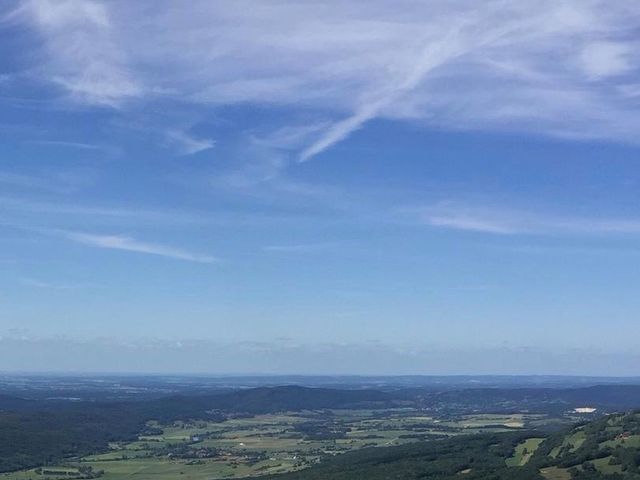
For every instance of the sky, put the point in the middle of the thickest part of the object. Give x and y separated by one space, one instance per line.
432 187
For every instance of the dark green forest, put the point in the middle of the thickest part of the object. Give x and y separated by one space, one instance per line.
482 456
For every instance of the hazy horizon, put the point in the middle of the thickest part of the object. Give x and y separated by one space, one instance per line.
285 358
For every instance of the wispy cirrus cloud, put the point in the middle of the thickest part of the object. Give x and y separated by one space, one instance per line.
49 180
445 46
189 144
62 143
35 283
83 51
565 69
121 242
501 221
321 247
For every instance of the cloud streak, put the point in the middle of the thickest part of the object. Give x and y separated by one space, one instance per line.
513 222
35 283
451 43
304 247
189 144
120 242
49 180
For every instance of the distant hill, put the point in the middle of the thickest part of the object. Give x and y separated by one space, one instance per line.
273 399
607 397
261 400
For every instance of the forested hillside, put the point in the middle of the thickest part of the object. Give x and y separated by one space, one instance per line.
605 449
474 457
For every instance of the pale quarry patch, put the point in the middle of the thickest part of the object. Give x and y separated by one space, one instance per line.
584 410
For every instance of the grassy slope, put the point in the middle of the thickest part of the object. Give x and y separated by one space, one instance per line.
524 451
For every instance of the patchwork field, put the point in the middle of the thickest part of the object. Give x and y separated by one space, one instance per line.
266 444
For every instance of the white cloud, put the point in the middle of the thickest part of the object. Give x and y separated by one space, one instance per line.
83 54
58 143
188 144
537 66
304 247
290 137
120 242
603 59
47 180
31 282
501 221
474 222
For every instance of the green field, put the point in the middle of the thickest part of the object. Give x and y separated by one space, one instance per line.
571 443
523 452
632 441
265 444
603 465
555 473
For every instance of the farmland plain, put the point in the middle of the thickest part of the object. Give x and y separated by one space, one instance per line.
270 443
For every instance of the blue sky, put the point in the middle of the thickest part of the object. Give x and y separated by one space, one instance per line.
389 187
